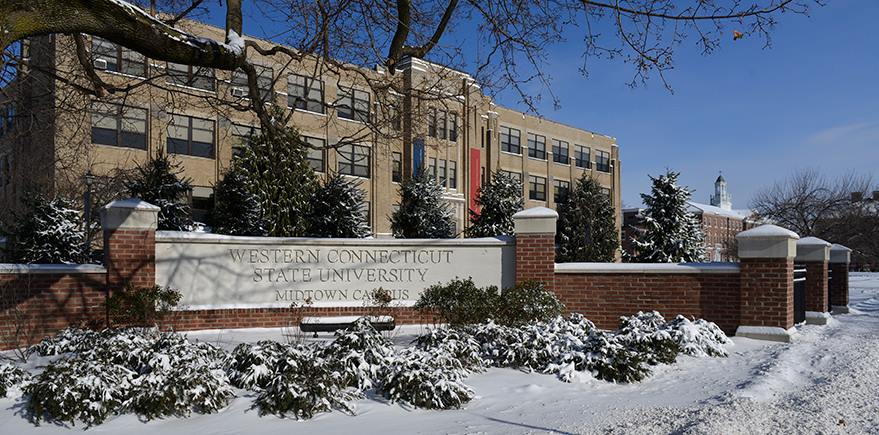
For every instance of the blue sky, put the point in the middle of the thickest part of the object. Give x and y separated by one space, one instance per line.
811 100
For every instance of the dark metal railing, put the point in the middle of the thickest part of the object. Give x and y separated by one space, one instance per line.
799 293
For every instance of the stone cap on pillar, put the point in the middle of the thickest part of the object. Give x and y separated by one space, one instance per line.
129 213
537 220
767 241
840 254
813 249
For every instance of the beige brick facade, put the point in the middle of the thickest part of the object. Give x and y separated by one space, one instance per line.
199 117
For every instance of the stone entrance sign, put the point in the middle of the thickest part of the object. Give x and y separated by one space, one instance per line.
214 271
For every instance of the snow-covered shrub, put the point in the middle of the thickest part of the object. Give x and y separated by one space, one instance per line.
78 389
158 182
496 343
10 377
68 340
422 212
432 379
460 302
698 338
358 353
525 303
645 333
302 384
498 200
236 211
605 356
336 209
455 342
251 365
180 377
143 371
49 230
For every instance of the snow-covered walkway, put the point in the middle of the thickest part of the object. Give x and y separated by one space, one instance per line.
827 381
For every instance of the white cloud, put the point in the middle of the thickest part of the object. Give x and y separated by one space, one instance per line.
857 133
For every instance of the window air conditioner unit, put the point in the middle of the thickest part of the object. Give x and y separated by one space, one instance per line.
100 63
239 92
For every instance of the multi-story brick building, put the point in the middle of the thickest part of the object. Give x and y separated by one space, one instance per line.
442 122
719 221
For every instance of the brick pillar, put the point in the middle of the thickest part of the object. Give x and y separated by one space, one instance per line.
130 243
767 283
815 254
535 245
840 257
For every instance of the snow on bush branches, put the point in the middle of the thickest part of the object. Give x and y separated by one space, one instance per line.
97 375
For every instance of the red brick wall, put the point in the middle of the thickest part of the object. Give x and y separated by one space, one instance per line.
767 292
535 258
839 292
604 297
130 256
35 305
816 286
278 317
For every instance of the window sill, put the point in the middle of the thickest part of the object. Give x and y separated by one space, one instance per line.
190 88
119 147
562 164
191 156
308 111
355 121
122 74
537 159
511 153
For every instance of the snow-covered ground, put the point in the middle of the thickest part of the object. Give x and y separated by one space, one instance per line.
826 381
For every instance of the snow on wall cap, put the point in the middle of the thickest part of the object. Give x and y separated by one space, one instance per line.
537 220
840 254
130 214
812 241
767 231
813 249
767 241
536 213
132 203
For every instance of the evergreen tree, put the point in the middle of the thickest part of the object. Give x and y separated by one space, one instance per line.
587 226
336 210
422 213
499 200
237 211
158 182
276 168
48 231
672 233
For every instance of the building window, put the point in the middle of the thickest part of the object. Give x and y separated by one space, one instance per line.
7 119
537 146
560 152
111 57
353 104
191 136
397 168
305 93
602 161
192 76
536 188
431 122
264 81
511 140
516 175
561 188
315 153
118 125
581 157
242 136
482 176
453 174
482 137
354 160
443 177
453 126
431 167
394 118
441 127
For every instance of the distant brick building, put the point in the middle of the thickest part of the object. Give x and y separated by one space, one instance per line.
720 223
